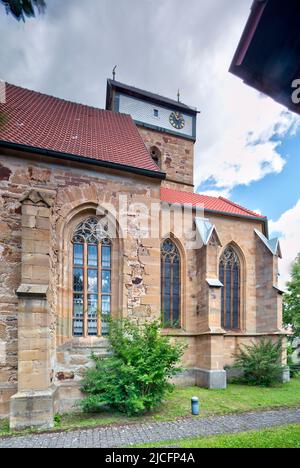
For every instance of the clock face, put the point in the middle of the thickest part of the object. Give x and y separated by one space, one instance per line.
177 120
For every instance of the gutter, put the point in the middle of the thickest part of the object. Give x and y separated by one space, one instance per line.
257 10
82 159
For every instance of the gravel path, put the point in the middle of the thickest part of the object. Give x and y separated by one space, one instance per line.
118 436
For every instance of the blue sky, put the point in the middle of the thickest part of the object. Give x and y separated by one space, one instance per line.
275 193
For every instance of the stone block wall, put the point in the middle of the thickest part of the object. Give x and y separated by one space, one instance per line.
240 233
10 278
267 296
211 347
177 158
42 238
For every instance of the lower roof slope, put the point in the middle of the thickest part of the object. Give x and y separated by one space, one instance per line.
216 204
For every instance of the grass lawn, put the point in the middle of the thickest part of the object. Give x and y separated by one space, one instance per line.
278 437
235 399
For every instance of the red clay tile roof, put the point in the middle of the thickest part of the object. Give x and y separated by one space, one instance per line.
45 122
209 203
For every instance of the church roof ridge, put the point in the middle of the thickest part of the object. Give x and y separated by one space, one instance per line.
40 93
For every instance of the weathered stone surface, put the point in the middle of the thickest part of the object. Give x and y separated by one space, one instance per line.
7 390
4 173
35 409
177 158
65 376
212 379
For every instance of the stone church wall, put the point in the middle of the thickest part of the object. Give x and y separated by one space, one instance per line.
35 247
177 158
78 192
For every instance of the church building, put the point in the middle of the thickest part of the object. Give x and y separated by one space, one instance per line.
98 217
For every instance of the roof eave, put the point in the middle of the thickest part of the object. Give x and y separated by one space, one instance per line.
82 159
256 13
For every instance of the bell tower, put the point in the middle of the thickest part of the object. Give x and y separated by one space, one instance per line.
168 128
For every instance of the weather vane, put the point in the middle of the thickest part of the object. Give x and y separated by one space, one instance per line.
114 72
178 96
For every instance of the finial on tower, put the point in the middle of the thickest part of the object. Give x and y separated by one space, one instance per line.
114 72
178 96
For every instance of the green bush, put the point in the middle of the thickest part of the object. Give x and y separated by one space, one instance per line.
260 363
135 377
294 368
57 419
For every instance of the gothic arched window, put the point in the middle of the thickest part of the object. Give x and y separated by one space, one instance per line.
92 265
230 276
170 284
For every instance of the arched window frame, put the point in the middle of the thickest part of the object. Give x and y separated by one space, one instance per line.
230 275
92 278
171 255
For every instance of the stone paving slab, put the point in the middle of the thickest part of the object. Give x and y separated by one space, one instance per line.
118 436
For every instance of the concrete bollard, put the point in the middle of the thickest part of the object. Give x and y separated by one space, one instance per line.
195 406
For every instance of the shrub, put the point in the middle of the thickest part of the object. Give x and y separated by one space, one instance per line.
57 419
294 368
260 363
135 377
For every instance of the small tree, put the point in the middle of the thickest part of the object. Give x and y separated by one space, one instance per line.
260 363
291 300
135 377
24 8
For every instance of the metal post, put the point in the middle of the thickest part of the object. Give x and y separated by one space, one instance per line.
195 406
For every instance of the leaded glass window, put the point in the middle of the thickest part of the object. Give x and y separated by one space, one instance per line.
170 284
92 271
230 276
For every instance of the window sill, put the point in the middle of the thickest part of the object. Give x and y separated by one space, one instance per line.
176 332
88 342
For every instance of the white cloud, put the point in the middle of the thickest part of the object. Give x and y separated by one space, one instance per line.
217 193
288 225
238 125
258 211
